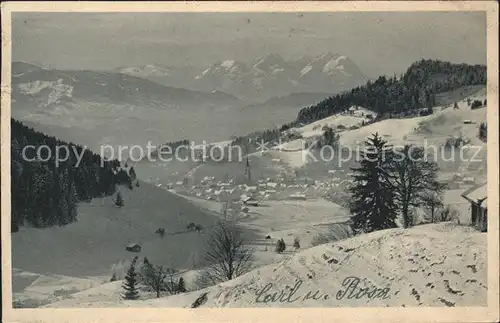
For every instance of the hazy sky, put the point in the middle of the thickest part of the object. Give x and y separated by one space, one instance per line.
380 43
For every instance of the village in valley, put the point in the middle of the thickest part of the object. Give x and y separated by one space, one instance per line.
235 190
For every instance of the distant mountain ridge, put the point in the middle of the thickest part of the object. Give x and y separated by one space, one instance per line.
100 108
261 78
43 87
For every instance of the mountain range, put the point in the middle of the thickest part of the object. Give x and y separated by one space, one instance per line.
32 83
261 78
109 107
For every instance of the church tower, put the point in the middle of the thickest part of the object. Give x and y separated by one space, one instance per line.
248 174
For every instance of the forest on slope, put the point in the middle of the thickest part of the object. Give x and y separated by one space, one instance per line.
416 89
45 190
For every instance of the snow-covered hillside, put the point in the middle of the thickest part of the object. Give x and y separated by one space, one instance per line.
446 122
429 265
95 244
93 247
33 289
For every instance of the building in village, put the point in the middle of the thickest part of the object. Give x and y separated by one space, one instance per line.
249 200
477 197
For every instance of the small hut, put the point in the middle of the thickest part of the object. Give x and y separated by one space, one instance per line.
133 247
477 197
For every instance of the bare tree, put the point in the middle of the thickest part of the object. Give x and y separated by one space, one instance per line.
226 255
171 283
447 214
160 232
198 228
154 277
432 199
413 175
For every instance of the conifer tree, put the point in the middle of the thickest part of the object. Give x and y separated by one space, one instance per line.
330 137
280 246
129 286
181 286
372 203
131 174
483 132
296 243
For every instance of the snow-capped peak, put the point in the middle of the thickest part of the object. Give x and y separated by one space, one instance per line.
334 64
149 69
227 64
328 64
272 63
305 70
272 75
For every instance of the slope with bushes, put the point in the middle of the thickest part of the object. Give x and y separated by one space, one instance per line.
431 265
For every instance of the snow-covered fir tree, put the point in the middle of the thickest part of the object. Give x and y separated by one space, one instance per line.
130 291
372 203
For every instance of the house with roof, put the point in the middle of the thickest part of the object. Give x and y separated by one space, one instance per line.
477 197
249 200
133 247
250 189
272 185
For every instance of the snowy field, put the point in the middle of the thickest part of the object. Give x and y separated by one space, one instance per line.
429 265
285 220
98 239
315 128
95 244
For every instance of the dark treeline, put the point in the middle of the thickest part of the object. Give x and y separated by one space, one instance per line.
412 94
253 141
169 148
44 194
415 90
